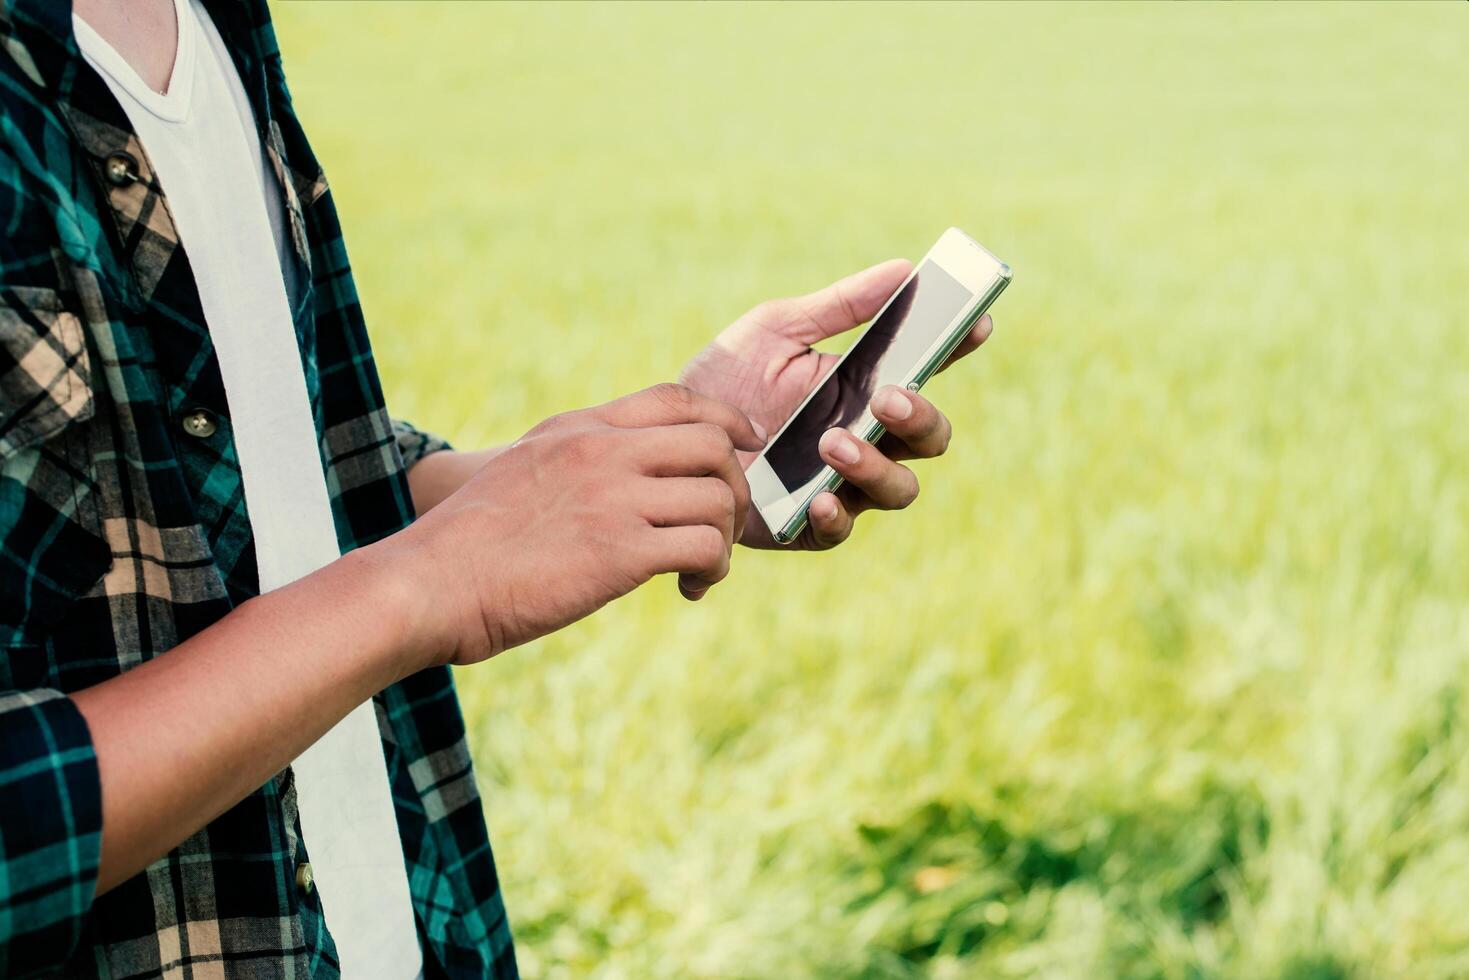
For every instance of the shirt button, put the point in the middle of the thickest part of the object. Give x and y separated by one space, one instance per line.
121 168
200 424
305 880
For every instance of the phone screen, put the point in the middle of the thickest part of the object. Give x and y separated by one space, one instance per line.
891 348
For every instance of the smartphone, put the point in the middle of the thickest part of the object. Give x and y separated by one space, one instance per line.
909 339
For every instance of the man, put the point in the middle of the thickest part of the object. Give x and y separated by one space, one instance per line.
168 653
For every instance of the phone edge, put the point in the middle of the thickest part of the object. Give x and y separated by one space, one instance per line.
925 373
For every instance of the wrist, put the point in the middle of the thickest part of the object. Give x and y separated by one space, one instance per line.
394 596
439 475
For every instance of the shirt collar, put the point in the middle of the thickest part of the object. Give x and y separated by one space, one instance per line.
37 35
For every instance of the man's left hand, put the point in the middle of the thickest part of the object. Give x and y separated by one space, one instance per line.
764 364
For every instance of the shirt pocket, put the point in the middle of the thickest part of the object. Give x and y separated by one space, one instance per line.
45 373
51 545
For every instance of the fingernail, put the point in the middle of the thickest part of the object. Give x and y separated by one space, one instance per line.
894 404
760 431
842 447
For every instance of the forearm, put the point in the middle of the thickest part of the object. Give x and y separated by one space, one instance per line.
184 737
437 475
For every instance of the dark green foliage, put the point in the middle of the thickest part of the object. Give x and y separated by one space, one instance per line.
947 879
1316 968
951 876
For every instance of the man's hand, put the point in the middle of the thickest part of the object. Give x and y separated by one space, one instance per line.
764 365
583 509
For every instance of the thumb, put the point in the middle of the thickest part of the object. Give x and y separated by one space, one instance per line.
675 404
848 302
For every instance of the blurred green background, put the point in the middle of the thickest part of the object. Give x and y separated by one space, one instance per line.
1165 674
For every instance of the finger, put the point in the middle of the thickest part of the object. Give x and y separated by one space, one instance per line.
672 404
913 420
887 484
977 335
684 500
695 449
846 303
829 520
697 552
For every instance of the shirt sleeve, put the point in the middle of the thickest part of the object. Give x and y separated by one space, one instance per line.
50 830
414 445
50 790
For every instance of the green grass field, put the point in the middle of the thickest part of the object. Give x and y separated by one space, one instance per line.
1167 673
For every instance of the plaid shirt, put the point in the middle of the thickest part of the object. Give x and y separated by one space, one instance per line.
123 531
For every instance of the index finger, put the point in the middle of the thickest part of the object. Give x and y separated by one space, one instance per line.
977 335
675 404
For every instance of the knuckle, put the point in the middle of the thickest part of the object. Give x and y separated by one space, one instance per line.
726 500
908 493
715 437
673 394
709 551
741 491
581 447
945 436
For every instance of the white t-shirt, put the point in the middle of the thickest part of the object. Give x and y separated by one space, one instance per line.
226 203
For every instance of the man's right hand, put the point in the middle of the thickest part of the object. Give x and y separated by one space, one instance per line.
583 509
